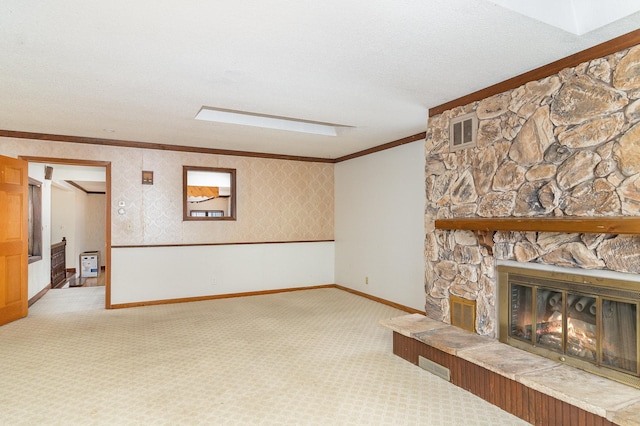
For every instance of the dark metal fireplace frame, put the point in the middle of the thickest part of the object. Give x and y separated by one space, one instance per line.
597 288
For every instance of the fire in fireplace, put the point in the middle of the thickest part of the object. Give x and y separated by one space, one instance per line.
582 320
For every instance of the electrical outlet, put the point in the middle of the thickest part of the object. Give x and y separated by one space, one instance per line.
214 282
366 280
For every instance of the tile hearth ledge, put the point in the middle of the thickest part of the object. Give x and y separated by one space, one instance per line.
606 398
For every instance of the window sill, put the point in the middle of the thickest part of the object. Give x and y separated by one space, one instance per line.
33 259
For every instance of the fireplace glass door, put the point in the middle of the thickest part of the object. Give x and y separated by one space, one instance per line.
590 327
520 326
619 335
582 327
549 326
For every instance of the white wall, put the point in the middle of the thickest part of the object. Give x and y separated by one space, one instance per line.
80 234
379 224
160 273
40 271
63 221
95 224
81 218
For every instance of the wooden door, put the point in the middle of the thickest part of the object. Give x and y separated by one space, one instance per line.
14 205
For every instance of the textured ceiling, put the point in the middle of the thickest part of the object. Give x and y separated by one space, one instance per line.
89 178
576 16
141 70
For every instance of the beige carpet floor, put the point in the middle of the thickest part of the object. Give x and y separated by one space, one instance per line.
304 357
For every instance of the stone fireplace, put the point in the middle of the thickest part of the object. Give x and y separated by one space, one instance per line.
584 319
564 146
561 149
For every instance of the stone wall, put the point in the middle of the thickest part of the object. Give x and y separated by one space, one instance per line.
567 145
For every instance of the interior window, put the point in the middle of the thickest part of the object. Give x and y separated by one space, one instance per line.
209 193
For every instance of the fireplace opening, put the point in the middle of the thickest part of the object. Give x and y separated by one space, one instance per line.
582 320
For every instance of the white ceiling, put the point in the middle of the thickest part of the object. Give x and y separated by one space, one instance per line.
64 172
576 16
89 178
86 186
141 70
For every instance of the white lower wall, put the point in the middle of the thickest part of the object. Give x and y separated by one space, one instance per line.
160 273
379 224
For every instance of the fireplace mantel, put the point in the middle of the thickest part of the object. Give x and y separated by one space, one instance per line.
484 227
589 225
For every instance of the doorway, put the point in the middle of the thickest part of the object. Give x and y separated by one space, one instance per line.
83 190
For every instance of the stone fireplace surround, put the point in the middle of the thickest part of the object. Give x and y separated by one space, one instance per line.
564 146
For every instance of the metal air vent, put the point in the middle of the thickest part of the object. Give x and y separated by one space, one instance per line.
463 313
434 368
463 131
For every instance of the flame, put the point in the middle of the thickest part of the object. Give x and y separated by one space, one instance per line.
571 330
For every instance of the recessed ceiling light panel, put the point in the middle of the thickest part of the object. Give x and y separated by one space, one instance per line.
267 121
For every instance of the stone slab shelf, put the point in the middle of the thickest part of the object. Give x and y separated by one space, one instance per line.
587 225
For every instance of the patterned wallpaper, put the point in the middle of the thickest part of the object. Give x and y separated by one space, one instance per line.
278 200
